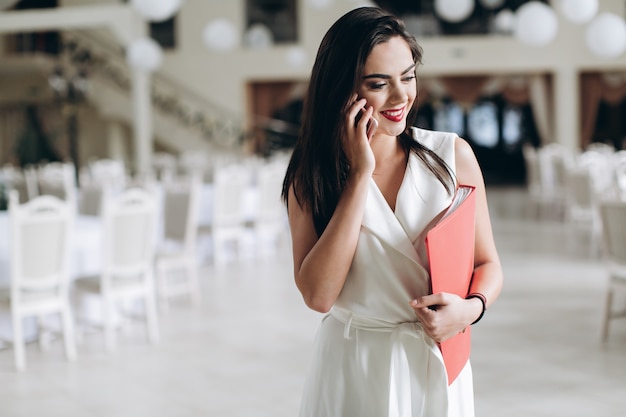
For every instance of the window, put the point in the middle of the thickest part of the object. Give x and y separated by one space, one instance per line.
277 18
512 125
449 117
482 124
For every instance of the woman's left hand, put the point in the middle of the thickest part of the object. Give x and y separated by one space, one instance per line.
444 315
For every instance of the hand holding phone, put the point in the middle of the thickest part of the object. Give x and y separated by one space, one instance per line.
372 124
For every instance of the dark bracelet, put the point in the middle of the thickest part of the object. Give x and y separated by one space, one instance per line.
482 299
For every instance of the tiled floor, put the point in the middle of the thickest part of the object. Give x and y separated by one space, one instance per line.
245 351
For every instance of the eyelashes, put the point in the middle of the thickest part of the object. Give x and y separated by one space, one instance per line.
379 86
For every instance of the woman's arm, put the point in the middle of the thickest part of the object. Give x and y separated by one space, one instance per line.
455 313
321 264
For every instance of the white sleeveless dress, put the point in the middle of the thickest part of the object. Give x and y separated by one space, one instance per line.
371 357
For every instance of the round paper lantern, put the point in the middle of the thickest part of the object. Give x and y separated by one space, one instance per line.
220 35
504 22
579 11
535 24
156 10
491 4
454 10
259 36
145 54
320 4
606 35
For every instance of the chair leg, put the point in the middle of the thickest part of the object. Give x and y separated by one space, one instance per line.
161 275
194 284
18 342
152 319
43 335
607 315
69 338
109 324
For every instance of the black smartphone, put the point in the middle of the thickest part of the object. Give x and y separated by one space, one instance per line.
372 123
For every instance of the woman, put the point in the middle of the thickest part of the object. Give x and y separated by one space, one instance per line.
361 183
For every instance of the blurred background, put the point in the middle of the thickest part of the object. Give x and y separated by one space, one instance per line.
200 101
107 79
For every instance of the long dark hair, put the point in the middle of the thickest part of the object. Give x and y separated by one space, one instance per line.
318 168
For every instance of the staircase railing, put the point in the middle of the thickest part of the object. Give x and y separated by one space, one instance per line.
213 124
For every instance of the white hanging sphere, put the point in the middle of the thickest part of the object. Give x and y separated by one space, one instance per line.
504 21
145 54
491 4
220 35
579 11
606 35
454 10
259 36
536 24
320 4
296 56
156 10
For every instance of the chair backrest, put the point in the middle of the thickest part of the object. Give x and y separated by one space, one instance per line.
92 198
32 181
181 206
194 162
269 185
599 165
165 166
14 179
229 185
620 177
580 189
58 179
40 243
129 221
108 171
613 216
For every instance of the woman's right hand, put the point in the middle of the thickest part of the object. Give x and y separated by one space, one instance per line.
355 139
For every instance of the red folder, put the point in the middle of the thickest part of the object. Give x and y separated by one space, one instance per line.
450 247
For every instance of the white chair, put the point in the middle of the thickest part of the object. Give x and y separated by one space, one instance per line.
39 287
164 166
16 179
195 162
581 208
92 197
129 243
619 172
270 220
32 181
228 218
58 179
111 172
613 215
551 164
177 259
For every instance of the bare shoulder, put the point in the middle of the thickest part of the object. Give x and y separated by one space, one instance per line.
467 168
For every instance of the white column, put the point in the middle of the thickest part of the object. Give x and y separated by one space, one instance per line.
142 120
567 108
116 141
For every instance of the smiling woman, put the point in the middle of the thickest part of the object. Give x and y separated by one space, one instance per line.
360 204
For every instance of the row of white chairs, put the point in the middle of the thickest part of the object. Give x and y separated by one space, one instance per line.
570 186
41 230
172 270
